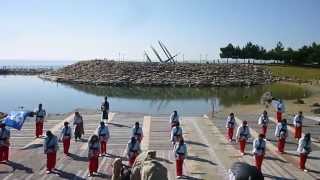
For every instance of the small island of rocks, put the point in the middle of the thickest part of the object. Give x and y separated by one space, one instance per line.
102 72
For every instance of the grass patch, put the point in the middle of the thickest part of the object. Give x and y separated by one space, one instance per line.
302 73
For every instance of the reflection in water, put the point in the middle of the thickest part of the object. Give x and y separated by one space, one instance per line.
29 91
227 95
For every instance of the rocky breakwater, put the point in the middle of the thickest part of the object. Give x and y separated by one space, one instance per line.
100 72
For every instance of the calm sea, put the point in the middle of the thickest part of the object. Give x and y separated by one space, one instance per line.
28 91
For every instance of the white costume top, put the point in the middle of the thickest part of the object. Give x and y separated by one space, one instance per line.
77 120
263 120
4 136
303 146
93 149
40 113
51 144
174 119
133 148
103 133
176 131
243 133
259 146
180 150
230 122
66 132
297 120
281 131
136 132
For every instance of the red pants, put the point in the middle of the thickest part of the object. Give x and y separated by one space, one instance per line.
51 160
279 116
93 164
303 159
242 143
179 165
39 129
103 147
297 132
132 159
4 153
264 130
281 143
259 159
230 133
66 145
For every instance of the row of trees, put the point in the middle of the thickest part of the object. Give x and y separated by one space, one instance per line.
304 55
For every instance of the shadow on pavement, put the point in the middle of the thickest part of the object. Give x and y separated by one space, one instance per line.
276 177
269 158
297 155
119 125
103 175
314 171
67 175
33 146
164 160
287 142
274 159
84 140
116 156
17 166
78 158
195 143
196 158
190 177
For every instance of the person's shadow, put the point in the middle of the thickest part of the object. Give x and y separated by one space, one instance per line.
78 158
67 175
17 166
196 158
119 125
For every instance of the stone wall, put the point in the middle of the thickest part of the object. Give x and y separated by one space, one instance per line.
100 72
23 71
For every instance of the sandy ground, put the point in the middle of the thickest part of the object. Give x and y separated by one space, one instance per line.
290 105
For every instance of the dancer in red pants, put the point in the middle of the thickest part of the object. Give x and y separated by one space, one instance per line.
243 134
137 132
104 135
281 133
180 150
4 142
259 149
280 110
230 126
40 115
297 122
133 150
78 123
65 137
93 154
263 121
304 148
50 148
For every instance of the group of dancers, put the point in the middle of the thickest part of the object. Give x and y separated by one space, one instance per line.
177 140
97 144
281 133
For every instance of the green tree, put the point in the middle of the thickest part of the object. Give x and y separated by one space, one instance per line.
227 52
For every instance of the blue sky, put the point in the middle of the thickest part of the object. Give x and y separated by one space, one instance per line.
78 29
